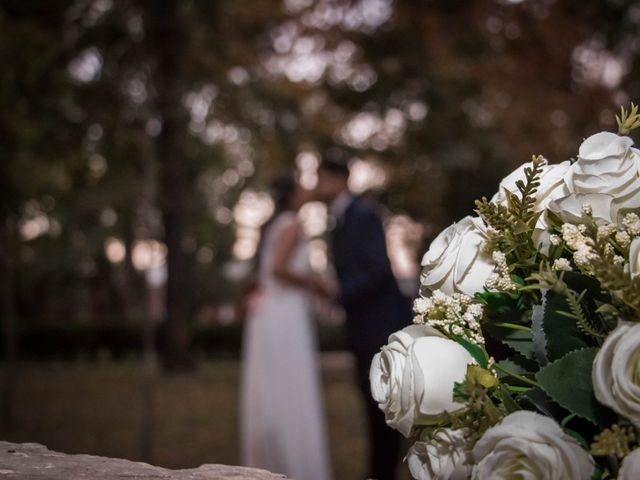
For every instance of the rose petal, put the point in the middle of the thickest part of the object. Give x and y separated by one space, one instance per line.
604 144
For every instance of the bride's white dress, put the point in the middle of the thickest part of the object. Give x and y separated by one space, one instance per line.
282 420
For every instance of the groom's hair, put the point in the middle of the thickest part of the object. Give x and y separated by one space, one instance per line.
336 163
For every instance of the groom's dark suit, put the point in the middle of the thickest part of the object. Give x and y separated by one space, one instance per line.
375 308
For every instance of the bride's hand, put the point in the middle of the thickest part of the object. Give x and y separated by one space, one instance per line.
324 287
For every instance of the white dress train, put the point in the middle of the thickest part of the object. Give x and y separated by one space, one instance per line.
282 422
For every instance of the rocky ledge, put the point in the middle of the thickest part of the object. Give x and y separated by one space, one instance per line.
31 461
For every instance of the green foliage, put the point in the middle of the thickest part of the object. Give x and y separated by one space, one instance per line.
511 366
520 341
577 436
613 295
579 315
580 309
481 412
493 214
539 337
614 278
555 323
521 207
507 399
478 353
499 303
514 223
628 120
513 380
537 399
562 333
568 382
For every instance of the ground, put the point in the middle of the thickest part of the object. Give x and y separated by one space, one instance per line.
94 408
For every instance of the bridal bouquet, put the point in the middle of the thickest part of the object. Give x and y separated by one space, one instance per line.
523 360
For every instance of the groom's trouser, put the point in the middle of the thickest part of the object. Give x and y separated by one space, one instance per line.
384 442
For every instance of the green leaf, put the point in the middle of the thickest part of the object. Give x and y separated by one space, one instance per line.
553 219
507 400
539 400
516 389
520 341
562 333
512 366
567 419
525 363
478 353
577 437
498 302
534 219
539 337
458 391
578 282
568 382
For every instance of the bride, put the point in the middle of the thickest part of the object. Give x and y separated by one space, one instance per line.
282 419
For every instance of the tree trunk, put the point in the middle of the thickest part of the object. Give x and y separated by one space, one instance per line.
149 375
10 333
151 315
133 283
166 34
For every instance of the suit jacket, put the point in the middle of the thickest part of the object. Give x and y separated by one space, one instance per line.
369 292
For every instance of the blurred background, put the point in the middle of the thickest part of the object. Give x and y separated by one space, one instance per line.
136 142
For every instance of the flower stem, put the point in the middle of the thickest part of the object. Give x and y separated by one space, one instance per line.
513 326
522 378
516 389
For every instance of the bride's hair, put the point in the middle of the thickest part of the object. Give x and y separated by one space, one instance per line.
282 189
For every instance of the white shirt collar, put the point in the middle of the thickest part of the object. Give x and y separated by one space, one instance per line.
339 206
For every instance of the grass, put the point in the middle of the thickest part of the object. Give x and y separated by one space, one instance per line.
97 408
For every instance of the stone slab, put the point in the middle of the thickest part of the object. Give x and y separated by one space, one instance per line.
32 461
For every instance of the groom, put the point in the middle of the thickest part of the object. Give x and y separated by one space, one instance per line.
369 293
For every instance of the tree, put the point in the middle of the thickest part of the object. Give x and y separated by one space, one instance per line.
143 120
33 140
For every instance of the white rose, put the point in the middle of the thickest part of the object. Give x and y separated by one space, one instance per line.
634 257
630 468
607 164
444 457
455 261
616 371
412 377
528 445
570 209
